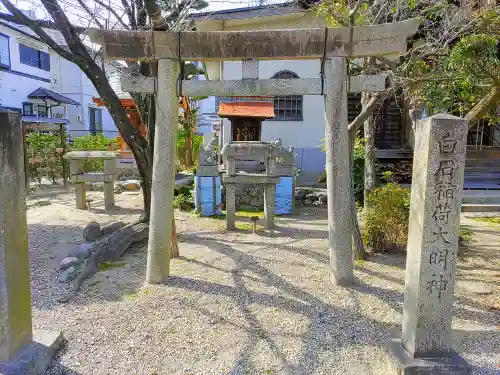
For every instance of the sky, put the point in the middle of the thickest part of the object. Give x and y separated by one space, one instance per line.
78 15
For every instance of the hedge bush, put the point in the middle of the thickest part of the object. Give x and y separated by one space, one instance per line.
184 199
45 152
386 222
44 156
94 143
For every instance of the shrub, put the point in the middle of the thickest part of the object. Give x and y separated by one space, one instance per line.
44 160
386 222
184 200
358 172
94 143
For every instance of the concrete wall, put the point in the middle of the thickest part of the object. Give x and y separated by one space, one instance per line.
304 135
70 81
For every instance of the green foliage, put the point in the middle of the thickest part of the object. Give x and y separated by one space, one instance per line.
386 222
44 156
457 78
358 170
489 220
466 234
454 64
185 131
358 167
184 199
106 265
94 143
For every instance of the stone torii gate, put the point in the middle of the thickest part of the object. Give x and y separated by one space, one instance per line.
332 46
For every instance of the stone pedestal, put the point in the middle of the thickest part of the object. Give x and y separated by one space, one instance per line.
401 363
19 354
81 196
81 178
269 204
437 183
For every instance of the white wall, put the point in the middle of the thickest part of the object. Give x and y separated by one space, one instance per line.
70 81
14 88
304 135
300 134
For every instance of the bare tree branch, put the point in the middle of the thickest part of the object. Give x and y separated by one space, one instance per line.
130 14
21 19
38 23
354 11
113 12
90 13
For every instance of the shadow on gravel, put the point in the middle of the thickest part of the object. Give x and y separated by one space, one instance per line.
330 328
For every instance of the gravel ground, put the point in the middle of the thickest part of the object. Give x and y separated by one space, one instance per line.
237 303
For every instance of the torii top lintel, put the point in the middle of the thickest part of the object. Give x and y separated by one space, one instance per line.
384 39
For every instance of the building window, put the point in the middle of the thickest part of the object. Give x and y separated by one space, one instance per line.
287 108
33 57
4 51
42 111
95 122
27 109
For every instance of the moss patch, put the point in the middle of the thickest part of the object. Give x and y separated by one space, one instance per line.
359 263
247 226
466 234
489 220
134 295
110 265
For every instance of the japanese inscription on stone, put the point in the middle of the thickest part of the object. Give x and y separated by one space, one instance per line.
445 191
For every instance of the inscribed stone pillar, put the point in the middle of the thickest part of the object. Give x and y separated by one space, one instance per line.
433 234
162 190
15 297
230 206
337 172
437 183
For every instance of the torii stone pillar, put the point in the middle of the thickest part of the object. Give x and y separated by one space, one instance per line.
22 351
436 195
338 174
162 189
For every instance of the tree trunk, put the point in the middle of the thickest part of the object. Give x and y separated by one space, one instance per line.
485 105
358 248
369 183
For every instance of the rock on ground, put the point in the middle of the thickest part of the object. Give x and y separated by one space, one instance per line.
67 275
130 185
83 251
92 232
112 227
68 262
